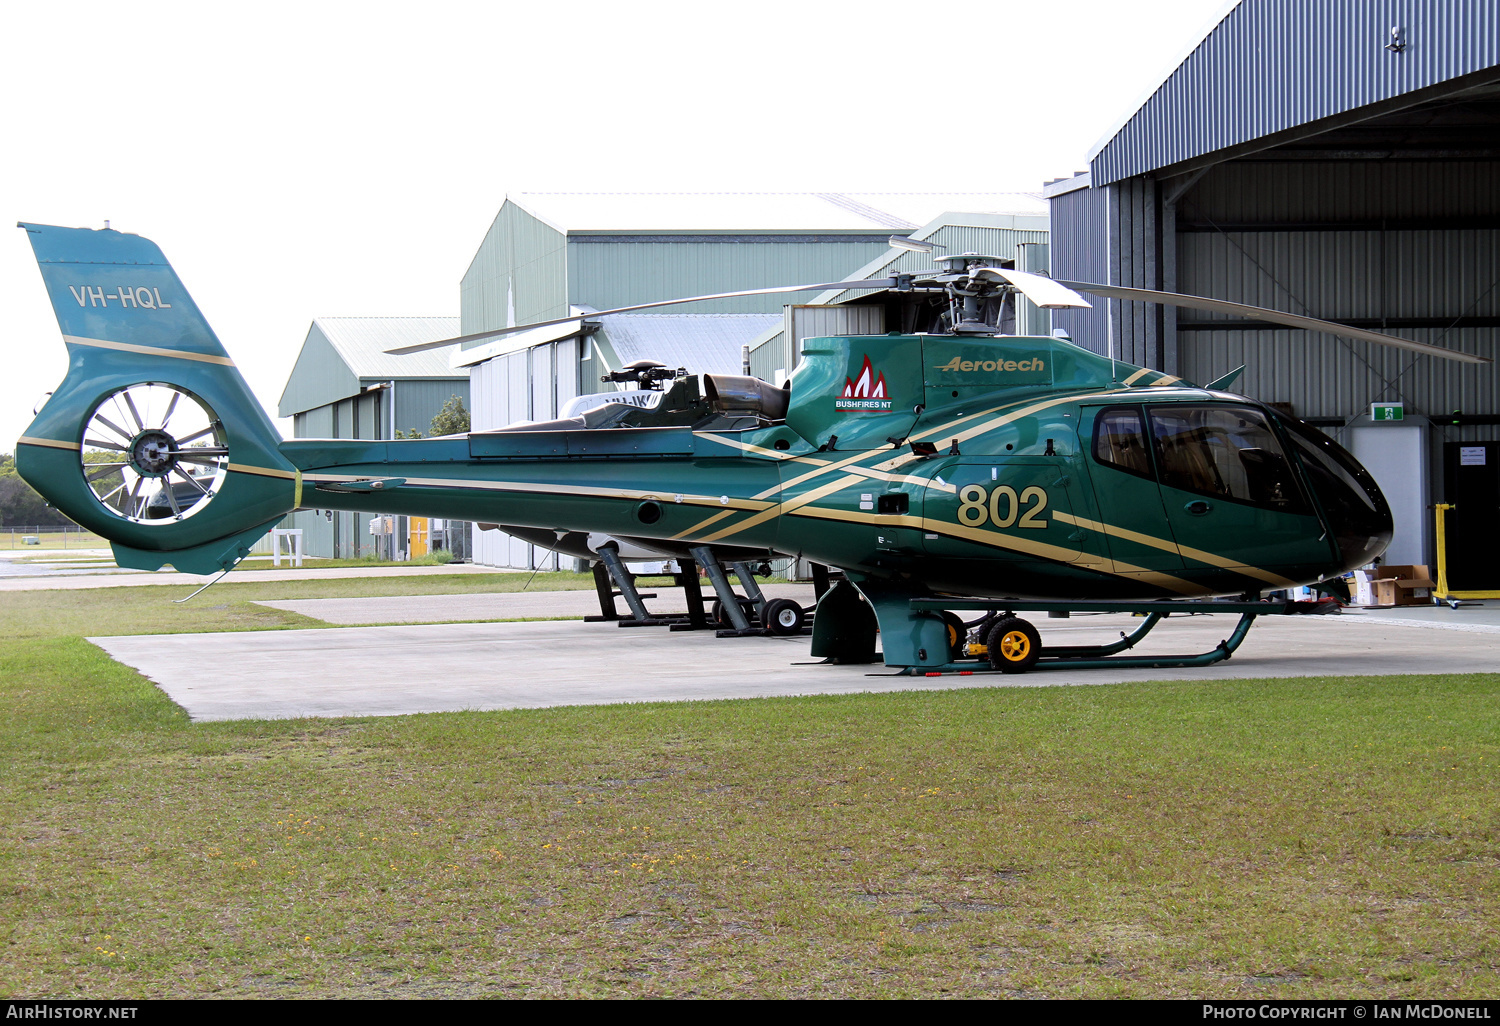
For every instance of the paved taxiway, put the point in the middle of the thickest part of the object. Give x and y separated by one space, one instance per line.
500 606
441 667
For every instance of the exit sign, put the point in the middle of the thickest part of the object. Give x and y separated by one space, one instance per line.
1387 411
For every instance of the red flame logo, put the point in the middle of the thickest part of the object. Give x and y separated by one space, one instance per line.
869 386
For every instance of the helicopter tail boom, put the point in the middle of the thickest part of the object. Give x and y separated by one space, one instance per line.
153 440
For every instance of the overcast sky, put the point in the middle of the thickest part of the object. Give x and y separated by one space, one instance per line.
297 160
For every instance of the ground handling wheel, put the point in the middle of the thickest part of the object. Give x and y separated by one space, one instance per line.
783 616
958 636
719 616
1014 645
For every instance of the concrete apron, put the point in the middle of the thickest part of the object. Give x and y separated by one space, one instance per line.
398 670
513 605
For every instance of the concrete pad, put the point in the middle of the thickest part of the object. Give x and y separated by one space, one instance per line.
507 606
386 671
1486 615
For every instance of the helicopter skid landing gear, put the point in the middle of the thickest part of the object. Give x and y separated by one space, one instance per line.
1012 645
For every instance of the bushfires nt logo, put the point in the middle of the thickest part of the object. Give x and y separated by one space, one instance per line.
866 393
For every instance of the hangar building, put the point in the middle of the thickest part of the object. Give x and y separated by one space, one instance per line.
551 254
344 385
1326 158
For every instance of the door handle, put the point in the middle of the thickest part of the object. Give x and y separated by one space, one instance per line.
1198 507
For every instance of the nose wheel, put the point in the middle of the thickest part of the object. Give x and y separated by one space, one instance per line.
1014 645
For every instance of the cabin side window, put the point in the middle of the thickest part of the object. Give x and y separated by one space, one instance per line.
1226 452
1120 440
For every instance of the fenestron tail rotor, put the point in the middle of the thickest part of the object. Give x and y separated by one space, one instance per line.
153 454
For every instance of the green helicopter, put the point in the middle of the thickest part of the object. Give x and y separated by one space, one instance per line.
947 466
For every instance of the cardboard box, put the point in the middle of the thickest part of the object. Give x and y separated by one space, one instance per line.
1401 586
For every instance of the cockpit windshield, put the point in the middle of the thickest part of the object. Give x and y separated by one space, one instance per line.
1350 498
1228 452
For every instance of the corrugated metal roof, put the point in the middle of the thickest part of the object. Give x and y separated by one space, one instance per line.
761 211
361 343
1274 65
342 354
703 343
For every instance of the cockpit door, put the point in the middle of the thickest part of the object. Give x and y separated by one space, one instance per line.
1231 496
1117 448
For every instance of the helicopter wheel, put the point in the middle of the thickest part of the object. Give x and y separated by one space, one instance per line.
1014 645
958 636
719 616
783 616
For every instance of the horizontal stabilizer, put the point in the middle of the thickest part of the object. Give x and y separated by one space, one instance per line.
374 485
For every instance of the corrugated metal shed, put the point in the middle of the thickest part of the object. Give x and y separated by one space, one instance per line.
518 275
703 343
748 212
330 395
342 353
1304 158
1272 67
619 274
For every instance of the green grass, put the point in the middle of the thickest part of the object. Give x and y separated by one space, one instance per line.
259 562
51 539
1327 837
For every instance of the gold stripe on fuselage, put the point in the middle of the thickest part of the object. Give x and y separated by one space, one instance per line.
49 443
1042 550
877 473
246 468
552 488
758 450
1187 552
705 523
783 508
127 347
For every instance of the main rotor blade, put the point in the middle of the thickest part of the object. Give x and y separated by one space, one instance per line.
1041 290
1261 313
866 283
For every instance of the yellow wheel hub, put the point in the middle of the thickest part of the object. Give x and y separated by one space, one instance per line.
1015 646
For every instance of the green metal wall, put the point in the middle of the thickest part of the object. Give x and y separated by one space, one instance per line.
608 273
319 376
417 402
520 269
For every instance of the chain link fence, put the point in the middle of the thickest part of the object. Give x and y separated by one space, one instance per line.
50 537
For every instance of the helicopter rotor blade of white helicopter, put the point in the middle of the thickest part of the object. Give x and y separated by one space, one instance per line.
868 283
